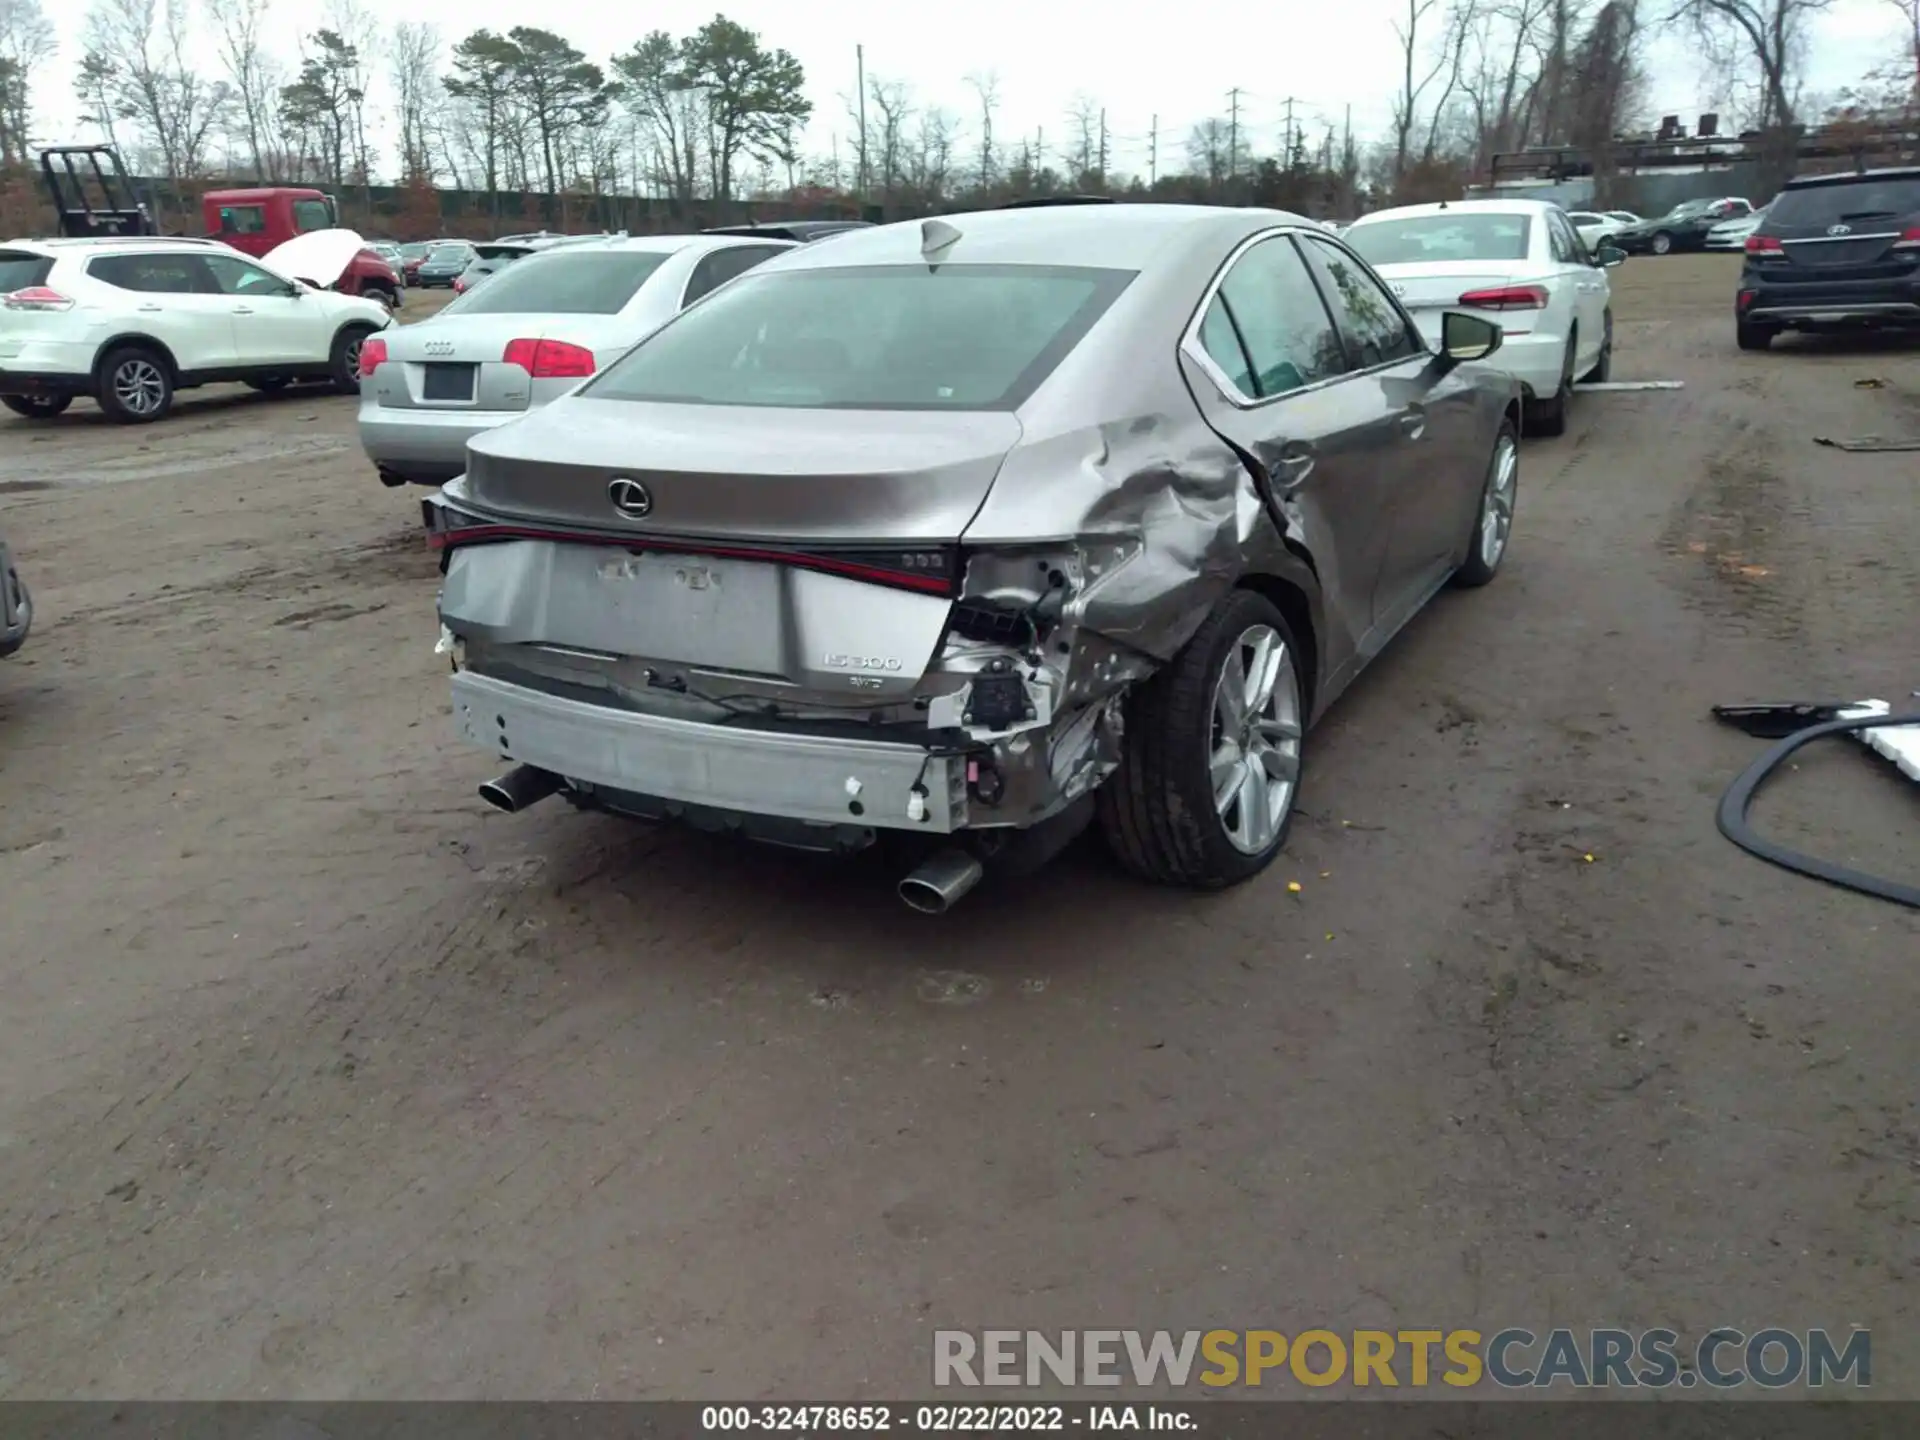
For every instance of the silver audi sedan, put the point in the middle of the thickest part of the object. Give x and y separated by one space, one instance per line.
974 532
529 335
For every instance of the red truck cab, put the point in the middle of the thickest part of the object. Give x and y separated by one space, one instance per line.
256 221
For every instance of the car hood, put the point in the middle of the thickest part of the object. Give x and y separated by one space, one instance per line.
319 257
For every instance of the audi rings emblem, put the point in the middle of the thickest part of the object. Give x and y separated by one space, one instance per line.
630 497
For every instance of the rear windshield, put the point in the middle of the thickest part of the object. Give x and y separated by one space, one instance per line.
565 283
501 252
1419 240
18 270
1889 199
956 337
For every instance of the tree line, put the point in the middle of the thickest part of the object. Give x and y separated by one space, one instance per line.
719 115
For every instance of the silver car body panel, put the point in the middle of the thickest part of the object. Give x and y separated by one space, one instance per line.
405 429
16 605
1128 493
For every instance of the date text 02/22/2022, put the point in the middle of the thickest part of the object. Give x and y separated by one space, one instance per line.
941 1419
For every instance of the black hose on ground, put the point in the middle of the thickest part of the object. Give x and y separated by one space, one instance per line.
1735 803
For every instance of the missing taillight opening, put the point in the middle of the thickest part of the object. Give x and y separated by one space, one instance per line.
549 359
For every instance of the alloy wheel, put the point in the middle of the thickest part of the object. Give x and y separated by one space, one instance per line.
1496 511
350 355
1255 737
139 386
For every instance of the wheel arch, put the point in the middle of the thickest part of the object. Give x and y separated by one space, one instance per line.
1297 607
135 340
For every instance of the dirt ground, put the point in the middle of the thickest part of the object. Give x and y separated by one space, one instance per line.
320 1079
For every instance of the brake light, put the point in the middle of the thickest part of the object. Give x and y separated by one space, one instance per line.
1507 297
1909 239
38 297
373 354
459 285
1765 245
549 359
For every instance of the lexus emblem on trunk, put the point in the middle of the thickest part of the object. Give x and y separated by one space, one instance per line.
630 498
1839 229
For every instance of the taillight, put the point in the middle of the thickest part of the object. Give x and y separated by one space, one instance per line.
1766 245
1507 297
373 354
1744 299
1909 239
549 359
37 297
459 286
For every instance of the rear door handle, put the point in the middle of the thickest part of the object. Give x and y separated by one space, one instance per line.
243 309
149 309
1413 420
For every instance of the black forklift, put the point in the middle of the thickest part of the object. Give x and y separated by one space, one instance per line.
93 196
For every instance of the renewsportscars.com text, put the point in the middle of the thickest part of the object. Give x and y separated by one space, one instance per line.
1771 1358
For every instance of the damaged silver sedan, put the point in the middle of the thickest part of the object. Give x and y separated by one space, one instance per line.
975 530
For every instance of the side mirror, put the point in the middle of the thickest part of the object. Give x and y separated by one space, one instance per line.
1468 337
301 286
1608 256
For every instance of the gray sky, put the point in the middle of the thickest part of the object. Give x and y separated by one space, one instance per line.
1325 55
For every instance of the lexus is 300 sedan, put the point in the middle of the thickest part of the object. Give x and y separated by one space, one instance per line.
974 532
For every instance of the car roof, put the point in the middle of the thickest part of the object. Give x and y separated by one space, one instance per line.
790 229
116 244
1854 177
1116 237
1462 207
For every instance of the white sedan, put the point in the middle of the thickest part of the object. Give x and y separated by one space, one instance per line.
1518 263
1593 226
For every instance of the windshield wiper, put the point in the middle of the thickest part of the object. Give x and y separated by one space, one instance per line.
1868 214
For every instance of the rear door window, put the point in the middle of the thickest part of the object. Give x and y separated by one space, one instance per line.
1854 202
565 282
716 269
1281 319
154 274
234 276
1372 324
18 270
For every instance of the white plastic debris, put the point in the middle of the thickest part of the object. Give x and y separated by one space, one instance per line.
854 787
916 806
446 642
1633 385
1899 743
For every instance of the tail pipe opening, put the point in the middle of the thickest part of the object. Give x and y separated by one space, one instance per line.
520 787
941 882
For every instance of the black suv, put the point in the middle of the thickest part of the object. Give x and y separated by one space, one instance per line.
1835 251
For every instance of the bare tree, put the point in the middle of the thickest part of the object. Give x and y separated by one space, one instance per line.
1771 32
142 46
413 58
930 162
892 108
255 75
662 103
1082 155
1910 40
986 89
26 40
1406 104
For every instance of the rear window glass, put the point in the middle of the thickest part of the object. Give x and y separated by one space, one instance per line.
501 252
573 283
19 270
956 337
1420 239
1889 199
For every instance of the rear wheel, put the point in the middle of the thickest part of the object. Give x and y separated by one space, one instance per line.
136 385
1549 417
1661 244
343 365
36 407
1753 337
1603 367
1210 762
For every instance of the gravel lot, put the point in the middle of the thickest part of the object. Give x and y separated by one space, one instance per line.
320 1079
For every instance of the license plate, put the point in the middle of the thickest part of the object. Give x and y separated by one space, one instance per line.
447 382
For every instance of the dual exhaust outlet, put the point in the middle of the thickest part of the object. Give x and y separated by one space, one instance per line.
934 887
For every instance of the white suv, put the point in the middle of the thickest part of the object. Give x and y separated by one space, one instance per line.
131 321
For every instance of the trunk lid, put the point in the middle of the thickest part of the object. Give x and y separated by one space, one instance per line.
1852 223
1430 290
745 472
454 362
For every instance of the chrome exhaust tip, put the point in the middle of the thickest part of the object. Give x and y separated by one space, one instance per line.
520 787
941 882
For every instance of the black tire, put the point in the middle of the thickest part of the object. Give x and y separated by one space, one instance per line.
1661 243
1476 570
385 296
1602 370
37 407
343 365
1549 417
1753 337
1157 810
269 384
136 385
